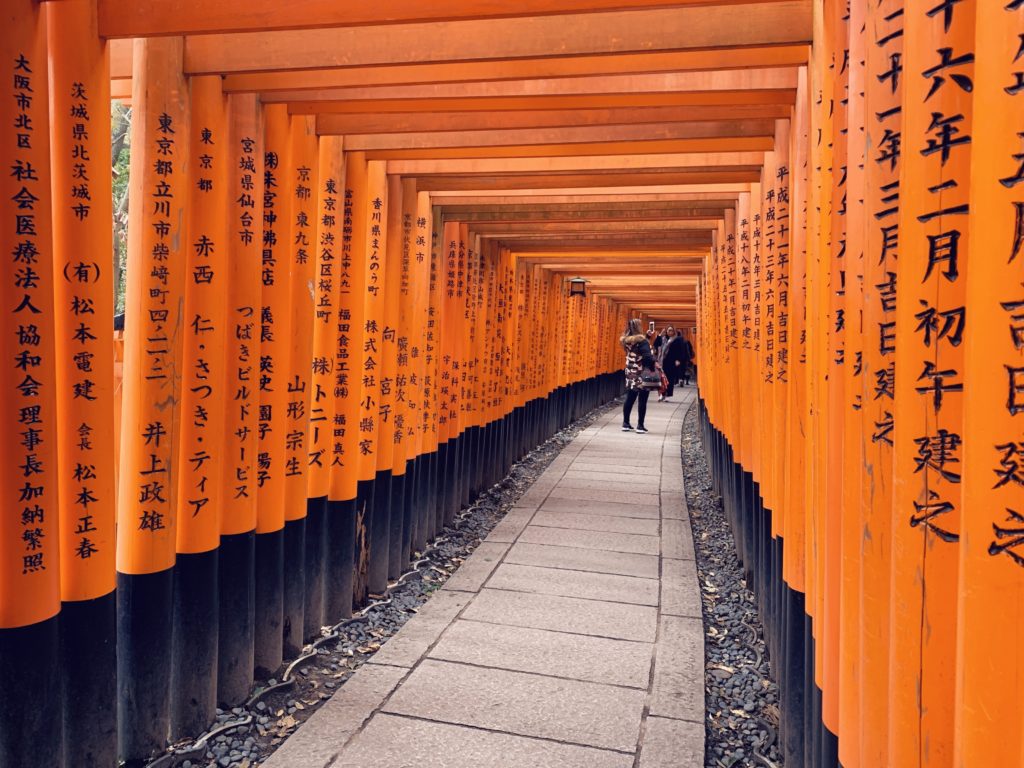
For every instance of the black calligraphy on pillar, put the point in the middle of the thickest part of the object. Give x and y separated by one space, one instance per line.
244 325
29 287
264 459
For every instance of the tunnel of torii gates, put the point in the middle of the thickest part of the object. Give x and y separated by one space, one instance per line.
351 229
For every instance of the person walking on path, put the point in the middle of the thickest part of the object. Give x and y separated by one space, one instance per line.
638 359
687 361
674 359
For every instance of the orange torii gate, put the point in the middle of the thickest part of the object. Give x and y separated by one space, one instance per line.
347 314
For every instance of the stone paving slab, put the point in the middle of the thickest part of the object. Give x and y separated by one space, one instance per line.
680 592
564 614
582 467
668 743
590 521
673 508
540 651
324 735
578 559
605 459
411 642
613 474
678 689
676 540
402 742
583 584
510 527
570 711
472 574
589 506
633 485
620 497
570 638
609 542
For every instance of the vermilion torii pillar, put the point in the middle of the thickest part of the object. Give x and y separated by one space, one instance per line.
30 590
83 291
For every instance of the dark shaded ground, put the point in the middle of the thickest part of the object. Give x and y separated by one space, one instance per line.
742 699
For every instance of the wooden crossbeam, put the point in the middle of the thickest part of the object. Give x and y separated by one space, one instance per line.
781 22
571 164
180 17
691 176
726 144
769 78
532 68
413 122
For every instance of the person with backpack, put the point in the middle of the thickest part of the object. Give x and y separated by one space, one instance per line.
641 375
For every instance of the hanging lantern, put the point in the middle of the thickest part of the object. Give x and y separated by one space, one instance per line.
577 286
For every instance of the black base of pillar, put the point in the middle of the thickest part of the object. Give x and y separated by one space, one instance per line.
438 478
194 644
88 657
791 729
30 703
364 517
397 556
341 543
294 603
144 611
380 528
236 577
316 547
268 639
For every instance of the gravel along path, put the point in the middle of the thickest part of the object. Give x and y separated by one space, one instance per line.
742 699
246 736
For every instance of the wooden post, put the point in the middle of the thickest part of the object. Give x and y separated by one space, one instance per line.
239 484
322 559
300 185
150 416
346 487
374 264
990 613
272 422
851 524
83 301
405 464
883 118
30 591
930 322
201 443
388 407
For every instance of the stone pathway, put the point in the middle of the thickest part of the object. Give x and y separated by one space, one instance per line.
571 638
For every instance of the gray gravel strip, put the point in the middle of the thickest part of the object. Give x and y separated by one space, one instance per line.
741 698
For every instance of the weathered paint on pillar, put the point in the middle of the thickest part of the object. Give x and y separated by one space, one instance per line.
327 281
883 119
204 318
930 324
990 614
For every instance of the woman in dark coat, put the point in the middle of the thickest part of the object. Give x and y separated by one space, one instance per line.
638 358
672 359
675 360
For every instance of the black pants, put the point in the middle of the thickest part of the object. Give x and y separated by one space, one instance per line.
670 388
632 395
